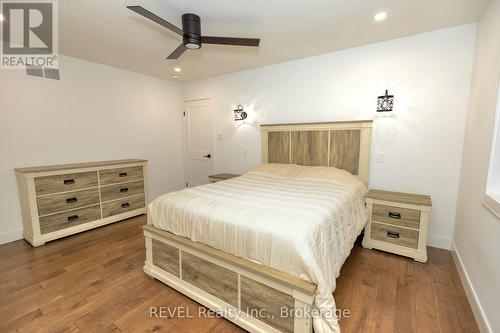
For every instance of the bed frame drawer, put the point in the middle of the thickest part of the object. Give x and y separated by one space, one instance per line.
71 200
69 219
214 279
257 297
396 215
121 175
166 257
122 206
65 183
119 191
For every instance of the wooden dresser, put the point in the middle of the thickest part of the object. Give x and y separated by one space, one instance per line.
398 223
62 200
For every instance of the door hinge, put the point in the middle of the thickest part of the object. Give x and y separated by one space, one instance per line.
187 185
184 113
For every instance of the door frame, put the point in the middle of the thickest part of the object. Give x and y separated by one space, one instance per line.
185 134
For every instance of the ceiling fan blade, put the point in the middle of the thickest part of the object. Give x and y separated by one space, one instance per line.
230 41
155 18
177 52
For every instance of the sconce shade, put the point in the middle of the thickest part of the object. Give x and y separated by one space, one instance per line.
239 113
385 103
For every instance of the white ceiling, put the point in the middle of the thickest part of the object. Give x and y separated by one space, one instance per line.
108 33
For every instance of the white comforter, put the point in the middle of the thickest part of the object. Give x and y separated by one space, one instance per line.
300 220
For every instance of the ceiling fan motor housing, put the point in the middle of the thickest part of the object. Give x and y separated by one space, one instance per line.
192 31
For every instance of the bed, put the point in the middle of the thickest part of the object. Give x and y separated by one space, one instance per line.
264 249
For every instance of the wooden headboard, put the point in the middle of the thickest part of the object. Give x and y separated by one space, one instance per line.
343 145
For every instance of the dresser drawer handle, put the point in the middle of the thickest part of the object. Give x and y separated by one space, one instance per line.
69 181
124 190
393 234
395 215
72 218
123 174
71 200
125 205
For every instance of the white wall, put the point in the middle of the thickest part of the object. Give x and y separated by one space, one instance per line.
94 113
428 73
477 230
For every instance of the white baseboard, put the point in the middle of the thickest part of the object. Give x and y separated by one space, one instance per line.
477 309
439 241
10 236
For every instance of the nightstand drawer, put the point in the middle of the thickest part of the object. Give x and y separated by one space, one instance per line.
396 215
394 235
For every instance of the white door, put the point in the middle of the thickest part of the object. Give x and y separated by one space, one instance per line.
199 136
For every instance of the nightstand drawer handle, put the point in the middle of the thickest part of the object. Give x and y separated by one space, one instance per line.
395 215
72 200
72 218
125 205
123 174
124 190
69 181
393 234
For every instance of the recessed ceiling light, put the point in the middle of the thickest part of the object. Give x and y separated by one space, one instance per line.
178 69
380 16
2 18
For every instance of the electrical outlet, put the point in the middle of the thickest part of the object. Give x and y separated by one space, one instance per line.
245 152
220 137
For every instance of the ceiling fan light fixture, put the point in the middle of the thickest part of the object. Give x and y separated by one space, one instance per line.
192 46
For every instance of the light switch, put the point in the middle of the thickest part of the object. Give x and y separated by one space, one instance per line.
220 137
380 158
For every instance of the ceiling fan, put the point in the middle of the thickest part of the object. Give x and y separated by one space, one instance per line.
191 33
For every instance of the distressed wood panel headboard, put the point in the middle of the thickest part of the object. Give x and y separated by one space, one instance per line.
343 145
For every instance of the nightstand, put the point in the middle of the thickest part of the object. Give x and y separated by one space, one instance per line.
221 176
398 223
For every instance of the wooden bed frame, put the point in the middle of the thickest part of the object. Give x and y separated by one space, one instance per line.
251 295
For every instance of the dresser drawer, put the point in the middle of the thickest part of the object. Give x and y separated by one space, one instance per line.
122 206
394 235
69 219
66 201
396 215
64 183
121 175
113 192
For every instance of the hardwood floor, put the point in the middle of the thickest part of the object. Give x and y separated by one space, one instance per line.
93 282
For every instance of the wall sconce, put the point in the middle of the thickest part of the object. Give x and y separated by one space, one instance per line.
239 113
385 103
